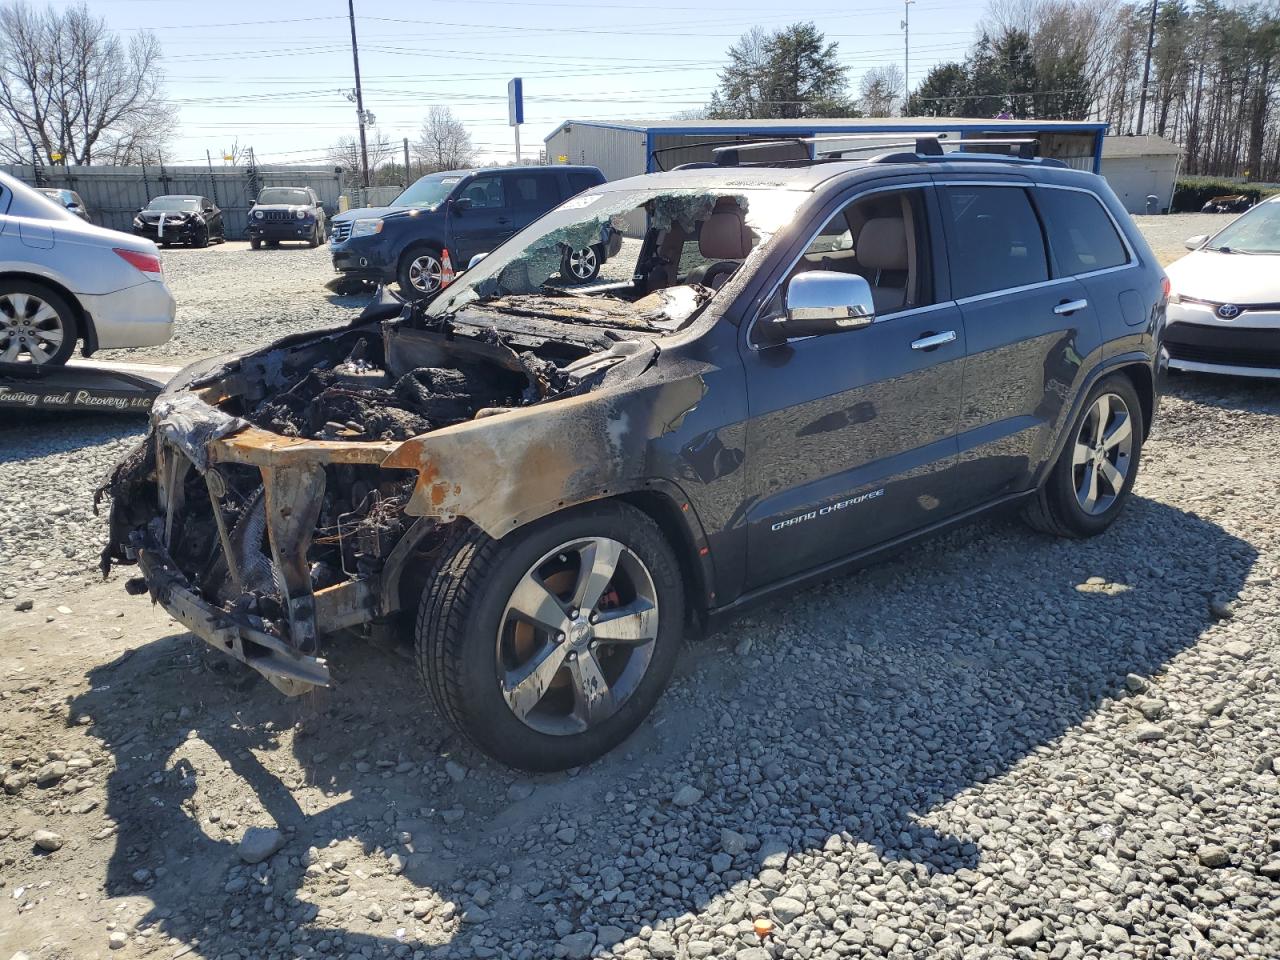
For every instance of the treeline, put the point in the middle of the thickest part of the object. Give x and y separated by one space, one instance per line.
1211 85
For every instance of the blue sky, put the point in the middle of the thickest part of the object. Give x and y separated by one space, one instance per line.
280 86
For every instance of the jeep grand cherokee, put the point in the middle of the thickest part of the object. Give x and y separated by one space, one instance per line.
545 482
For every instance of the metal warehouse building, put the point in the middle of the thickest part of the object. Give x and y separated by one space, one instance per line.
1142 167
625 149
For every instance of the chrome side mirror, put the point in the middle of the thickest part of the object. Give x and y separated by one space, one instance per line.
819 302
476 259
1196 242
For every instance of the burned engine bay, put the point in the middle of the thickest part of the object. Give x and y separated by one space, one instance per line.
267 505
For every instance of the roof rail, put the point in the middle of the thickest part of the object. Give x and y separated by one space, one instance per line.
923 147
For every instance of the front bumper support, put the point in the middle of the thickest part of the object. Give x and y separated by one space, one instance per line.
237 635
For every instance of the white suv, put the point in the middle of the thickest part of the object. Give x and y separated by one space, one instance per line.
63 280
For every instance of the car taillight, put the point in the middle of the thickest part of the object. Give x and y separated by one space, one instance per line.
1165 286
146 262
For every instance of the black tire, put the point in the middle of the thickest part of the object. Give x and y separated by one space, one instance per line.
580 269
273 244
461 615
255 244
67 320
412 266
1056 509
314 240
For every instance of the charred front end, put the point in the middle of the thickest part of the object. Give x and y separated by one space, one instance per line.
291 493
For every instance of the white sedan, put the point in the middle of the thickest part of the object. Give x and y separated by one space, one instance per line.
1224 308
64 281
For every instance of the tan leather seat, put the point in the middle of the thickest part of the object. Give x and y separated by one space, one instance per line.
882 253
724 239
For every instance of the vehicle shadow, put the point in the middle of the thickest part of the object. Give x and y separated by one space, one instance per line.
856 710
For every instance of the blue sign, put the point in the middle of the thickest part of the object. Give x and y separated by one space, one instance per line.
515 101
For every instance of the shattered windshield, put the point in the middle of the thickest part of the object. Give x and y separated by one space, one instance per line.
430 191
627 252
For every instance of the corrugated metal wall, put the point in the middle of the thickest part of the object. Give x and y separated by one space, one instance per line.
115 194
618 153
1134 178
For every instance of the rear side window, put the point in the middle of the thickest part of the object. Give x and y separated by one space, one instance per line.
993 240
1081 233
532 191
580 180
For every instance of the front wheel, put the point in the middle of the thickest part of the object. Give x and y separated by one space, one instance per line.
37 326
549 647
419 273
1092 479
314 240
255 244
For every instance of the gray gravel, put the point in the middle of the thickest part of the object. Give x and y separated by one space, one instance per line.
997 745
231 297
1166 234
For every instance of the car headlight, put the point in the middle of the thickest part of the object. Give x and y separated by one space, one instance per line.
137 221
364 228
301 214
257 214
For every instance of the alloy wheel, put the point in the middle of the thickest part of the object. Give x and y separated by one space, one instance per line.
582 263
424 273
577 636
30 328
1103 454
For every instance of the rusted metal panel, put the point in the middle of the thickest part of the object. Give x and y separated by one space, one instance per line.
261 448
502 472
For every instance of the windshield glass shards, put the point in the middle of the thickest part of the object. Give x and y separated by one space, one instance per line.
629 258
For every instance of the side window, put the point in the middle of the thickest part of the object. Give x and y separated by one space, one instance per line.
579 180
532 191
486 193
1081 234
994 240
882 237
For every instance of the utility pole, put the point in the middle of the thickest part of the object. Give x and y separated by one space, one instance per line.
406 161
906 53
355 59
1146 68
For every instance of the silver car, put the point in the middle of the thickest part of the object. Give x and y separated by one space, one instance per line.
64 281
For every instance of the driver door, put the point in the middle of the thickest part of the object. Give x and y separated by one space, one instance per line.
851 434
485 222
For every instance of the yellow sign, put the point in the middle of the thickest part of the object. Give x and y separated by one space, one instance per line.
562 159
55 157
228 157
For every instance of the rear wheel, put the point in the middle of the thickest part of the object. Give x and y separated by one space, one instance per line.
581 265
549 647
255 244
37 326
1091 482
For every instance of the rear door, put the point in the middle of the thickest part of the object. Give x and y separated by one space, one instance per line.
1028 332
531 194
486 221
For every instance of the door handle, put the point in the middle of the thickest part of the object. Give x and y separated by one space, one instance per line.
504 221
933 340
1070 306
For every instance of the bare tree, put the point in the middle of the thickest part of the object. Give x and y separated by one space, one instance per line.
345 153
69 86
881 89
444 143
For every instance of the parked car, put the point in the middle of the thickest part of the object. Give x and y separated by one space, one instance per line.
68 198
801 369
1224 312
181 218
286 213
64 281
464 212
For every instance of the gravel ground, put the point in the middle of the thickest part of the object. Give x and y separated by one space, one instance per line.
230 297
997 745
1166 234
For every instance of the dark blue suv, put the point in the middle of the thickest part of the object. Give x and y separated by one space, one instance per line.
465 212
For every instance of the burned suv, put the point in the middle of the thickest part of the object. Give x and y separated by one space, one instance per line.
544 483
